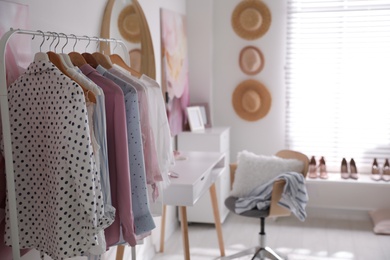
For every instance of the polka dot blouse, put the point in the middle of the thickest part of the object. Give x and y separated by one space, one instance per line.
58 192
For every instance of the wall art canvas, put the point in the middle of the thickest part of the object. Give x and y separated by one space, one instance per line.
174 65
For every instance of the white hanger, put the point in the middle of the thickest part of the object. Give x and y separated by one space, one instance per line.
65 57
41 55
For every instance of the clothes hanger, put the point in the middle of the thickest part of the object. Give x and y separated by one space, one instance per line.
61 58
65 57
88 56
116 59
102 59
76 58
56 60
54 57
41 55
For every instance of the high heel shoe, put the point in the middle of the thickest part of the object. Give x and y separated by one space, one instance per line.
353 169
344 169
375 173
386 171
323 172
312 168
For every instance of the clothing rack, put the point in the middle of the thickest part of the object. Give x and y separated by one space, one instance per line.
4 106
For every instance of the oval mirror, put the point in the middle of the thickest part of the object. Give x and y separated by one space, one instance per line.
125 20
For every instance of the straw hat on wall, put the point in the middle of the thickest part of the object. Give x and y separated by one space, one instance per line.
251 60
251 100
129 24
251 19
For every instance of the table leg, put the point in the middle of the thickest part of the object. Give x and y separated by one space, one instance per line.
162 234
217 219
184 231
120 251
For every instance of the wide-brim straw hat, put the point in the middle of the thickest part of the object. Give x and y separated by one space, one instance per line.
251 60
251 100
251 19
129 24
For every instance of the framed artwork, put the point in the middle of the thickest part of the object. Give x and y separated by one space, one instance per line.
174 68
205 112
195 118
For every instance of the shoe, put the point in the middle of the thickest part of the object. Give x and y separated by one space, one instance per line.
312 168
386 171
353 169
323 172
344 169
375 172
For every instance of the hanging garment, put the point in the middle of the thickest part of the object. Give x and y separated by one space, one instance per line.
143 220
99 126
118 159
159 122
162 136
153 173
59 199
5 251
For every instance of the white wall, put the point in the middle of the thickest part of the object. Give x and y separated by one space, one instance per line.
200 45
265 136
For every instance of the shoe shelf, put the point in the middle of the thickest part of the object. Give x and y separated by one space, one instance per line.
338 193
336 177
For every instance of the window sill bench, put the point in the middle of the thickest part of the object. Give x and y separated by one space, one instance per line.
363 194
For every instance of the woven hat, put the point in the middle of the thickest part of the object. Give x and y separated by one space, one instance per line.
251 100
129 24
251 19
251 60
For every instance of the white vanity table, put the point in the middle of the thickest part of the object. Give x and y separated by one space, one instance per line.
197 174
214 139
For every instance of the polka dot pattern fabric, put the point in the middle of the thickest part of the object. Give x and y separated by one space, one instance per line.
58 192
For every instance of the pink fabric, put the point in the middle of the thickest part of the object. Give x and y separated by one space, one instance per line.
117 158
13 71
153 173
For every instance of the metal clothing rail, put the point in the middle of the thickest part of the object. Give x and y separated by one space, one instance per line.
9 167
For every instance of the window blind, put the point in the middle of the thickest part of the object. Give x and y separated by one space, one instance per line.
338 80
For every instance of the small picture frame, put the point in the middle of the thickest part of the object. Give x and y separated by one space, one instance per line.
195 118
205 111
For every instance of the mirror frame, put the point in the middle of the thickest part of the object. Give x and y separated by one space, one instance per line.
148 63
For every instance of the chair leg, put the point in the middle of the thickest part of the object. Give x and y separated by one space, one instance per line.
266 253
260 252
249 251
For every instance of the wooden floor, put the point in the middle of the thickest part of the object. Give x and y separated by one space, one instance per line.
314 239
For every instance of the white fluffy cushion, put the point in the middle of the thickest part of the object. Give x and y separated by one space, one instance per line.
381 221
254 170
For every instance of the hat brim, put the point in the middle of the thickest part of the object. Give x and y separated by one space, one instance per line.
241 61
134 37
263 11
261 90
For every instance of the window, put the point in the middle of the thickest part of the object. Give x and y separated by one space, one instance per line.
338 80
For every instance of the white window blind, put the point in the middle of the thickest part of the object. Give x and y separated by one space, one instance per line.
338 80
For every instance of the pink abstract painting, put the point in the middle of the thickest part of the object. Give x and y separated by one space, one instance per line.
174 64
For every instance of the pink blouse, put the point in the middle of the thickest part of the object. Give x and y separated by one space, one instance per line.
117 158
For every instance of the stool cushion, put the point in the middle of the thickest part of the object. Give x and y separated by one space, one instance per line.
230 203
